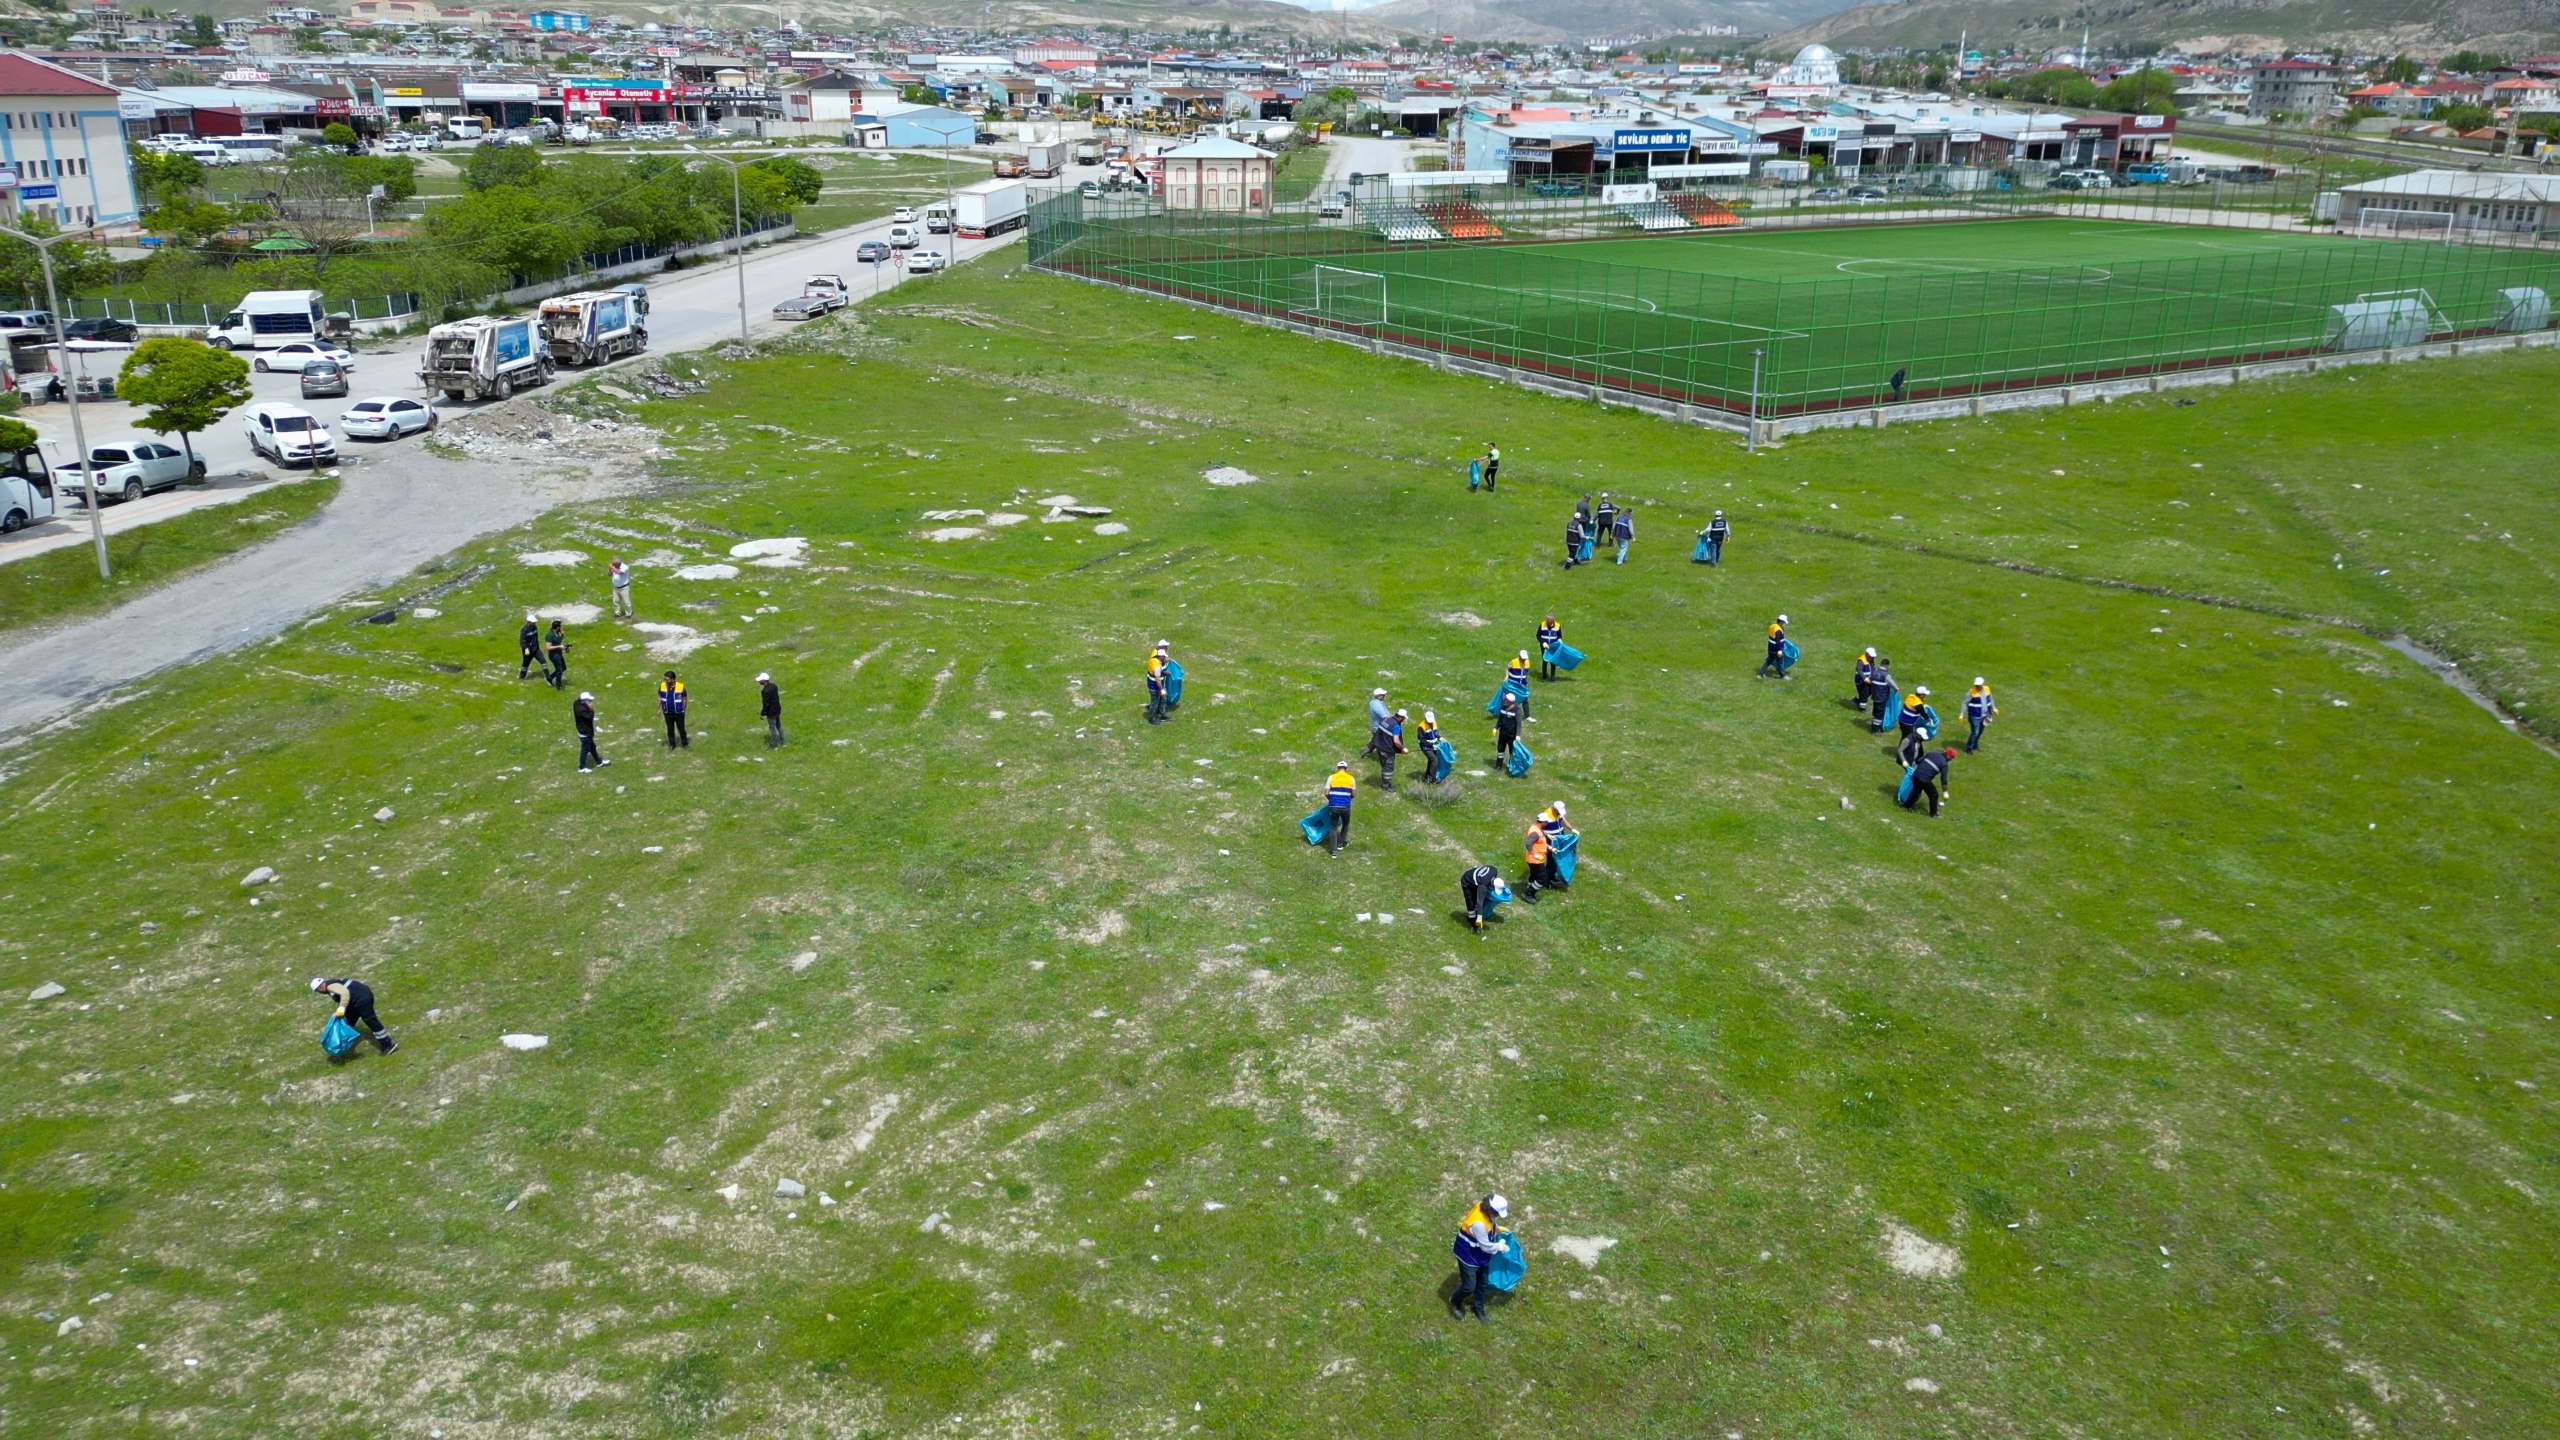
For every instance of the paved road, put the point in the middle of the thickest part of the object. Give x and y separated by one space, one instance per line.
398 506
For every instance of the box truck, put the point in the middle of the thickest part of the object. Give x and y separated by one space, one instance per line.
480 357
592 327
265 319
990 207
1043 159
1088 152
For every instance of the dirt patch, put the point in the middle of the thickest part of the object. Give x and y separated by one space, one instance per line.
787 547
1230 475
1911 1253
708 572
1463 619
1585 1248
949 533
553 559
573 613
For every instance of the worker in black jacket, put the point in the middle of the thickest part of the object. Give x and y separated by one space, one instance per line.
1506 728
1476 887
555 650
355 1006
583 715
1933 776
771 702
528 646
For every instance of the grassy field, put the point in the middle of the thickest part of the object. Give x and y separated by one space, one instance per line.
1294 179
2190 1076
62 584
1959 307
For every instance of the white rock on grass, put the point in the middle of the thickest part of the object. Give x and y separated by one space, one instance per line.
1054 501
572 612
728 1193
1916 1255
1585 1248
1002 518
786 547
1922 1384
671 643
67 1326
946 515
708 572
1110 527
1230 475
553 559
45 991
263 875
949 533
383 816
789 1189
779 562
524 1042
803 960
424 612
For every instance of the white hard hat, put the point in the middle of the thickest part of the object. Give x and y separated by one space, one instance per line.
1378 694
1919 689
1978 680
1164 644
762 676
318 984
1559 809
1524 654
1430 719
586 695
1498 1205
1871 652
1782 619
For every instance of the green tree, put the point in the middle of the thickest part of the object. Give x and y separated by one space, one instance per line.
493 165
801 181
186 386
161 178
338 135
2470 62
2463 115
77 264
190 220
921 95
2398 70
2140 92
2059 85
206 33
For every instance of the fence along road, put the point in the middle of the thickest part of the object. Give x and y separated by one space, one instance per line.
398 506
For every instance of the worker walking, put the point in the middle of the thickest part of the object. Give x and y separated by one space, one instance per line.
769 704
528 646
1776 661
1155 689
555 651
1605 518
355 1006
1884 697
1477 887
1338 790
1550 635
1481 1241
1573 539
1717 530
1506 728
671 706
1539 853
620 575
1492 465
1623 531
1978 711
1385 744
1932 774
582 713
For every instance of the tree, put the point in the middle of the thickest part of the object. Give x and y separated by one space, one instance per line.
493 165
2398 70
339 135
2469 62
206 33
160 177
2141 92
2059 85
320 201
189 220
801 181
921 95
186 386
15 436
77 264
2462 115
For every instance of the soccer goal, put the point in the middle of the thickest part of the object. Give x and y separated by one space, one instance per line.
2436 225
1334 295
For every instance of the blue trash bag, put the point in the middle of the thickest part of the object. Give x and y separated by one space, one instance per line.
1787 654
1501 891
1583 555
1317 826
1563 849
1517 762
1509 1266
1494 705
1172 684
1563 656
1442 760
1475 474
338 1037
1902 792
1699 554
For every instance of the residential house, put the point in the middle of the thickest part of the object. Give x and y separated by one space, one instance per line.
2301 89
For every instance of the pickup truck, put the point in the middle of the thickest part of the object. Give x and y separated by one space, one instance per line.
128 470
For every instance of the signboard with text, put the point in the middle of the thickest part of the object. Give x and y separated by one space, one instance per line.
1675 139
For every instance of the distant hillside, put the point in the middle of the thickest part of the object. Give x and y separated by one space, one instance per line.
2418 27
1558 21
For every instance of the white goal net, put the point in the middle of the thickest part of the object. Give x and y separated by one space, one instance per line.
2404 224
1339 296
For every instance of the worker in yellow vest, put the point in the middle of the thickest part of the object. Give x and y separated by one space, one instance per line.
1481 1240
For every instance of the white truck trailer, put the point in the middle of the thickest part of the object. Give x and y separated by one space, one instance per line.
990 207
484 358
1044 160
592 327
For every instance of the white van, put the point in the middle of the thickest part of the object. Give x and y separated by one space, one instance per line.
465 127
26 489
904 237
265 319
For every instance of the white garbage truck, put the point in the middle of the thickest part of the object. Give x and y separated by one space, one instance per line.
482 358
592 327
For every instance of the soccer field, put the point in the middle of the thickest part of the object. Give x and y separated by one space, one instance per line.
1832 314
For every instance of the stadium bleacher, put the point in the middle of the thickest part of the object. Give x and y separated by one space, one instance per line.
1460 220
1653 215
1704 211
1404 222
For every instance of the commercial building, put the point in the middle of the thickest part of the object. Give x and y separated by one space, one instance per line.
62 150
2301 89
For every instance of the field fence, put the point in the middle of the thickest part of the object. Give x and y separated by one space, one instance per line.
1906 331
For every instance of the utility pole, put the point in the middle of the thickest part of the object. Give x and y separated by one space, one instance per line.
62 348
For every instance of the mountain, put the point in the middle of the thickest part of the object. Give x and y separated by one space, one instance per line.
2423 28
1571 21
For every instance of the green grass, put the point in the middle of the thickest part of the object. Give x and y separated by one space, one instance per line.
1962 307
2216 982
63 584
1294 179
860 190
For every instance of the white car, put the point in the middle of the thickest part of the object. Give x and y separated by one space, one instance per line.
925 262
127 470
904 237
386 418
903 215
299 355
288 435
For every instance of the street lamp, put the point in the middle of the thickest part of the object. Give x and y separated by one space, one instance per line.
971 130
738 227
62 346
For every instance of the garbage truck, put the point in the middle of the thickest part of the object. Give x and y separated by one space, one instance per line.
482 358
592 327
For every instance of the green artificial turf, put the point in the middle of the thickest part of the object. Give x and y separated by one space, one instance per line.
2191 1075
63 583
1820 318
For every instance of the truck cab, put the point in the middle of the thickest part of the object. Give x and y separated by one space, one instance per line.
26 489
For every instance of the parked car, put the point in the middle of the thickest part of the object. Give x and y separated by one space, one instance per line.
387 418
26 320
904 237
925 262
128 470
1335 205
95 329
1827 192
1865 194
288 435
903 215
301 355
1092 191
871 252
807 307
938 222
323 378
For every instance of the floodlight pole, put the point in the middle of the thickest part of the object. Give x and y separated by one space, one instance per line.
1751 429
738 229
62 349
